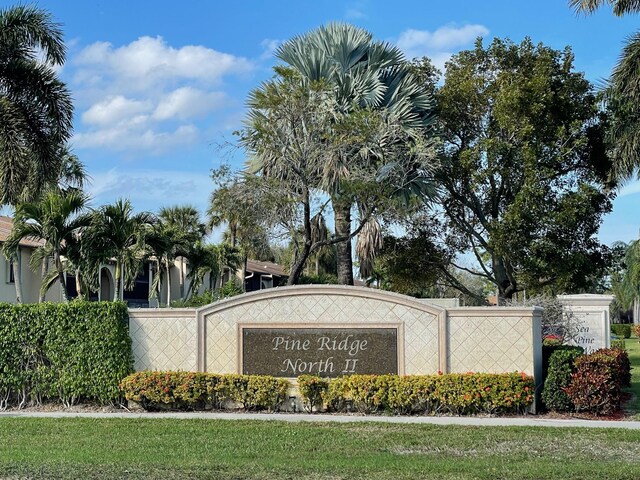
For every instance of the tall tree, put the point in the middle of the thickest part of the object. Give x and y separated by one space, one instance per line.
57 220
524 169
117 233
35 106
186 228
371 81
622 93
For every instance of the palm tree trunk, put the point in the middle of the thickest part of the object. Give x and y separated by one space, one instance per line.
181 278
61 276
43 274
168 283
79 286
342 214
17 277
118 275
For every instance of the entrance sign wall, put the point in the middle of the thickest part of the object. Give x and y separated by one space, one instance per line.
381 331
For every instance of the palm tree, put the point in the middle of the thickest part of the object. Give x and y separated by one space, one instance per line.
35 106
622 92
184 225
57 219
117 233
366 76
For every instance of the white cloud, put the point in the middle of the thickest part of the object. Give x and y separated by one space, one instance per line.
187 102
149 189
269 47
148 62
440 44
356 10
145 96
125 137
114 109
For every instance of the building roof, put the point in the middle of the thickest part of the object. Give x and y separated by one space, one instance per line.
6 225
268 268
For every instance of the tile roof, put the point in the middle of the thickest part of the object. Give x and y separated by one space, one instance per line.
6 224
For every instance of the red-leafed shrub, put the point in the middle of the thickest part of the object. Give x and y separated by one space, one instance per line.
596 385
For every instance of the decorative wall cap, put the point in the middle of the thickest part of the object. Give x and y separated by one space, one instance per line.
587 299
304 290
494 311
162 312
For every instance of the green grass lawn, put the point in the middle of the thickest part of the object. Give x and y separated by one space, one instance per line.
171 448
633 406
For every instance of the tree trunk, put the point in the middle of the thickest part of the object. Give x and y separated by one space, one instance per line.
342 214
61 276
79 286
245 258
116 293
17 277
505 286
43 274
181 278
168 265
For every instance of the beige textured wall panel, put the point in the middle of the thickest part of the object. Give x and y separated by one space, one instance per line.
164 339
491 341
323 305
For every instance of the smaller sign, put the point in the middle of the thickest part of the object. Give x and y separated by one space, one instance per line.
327 352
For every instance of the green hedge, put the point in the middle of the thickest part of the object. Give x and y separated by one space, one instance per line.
621 329
63 352
458 394
196 391
561 365
597 383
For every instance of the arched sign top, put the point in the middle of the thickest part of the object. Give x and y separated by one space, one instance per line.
308 290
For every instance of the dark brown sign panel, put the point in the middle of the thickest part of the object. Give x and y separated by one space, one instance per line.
328 352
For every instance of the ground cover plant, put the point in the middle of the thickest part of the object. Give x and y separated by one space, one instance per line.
172 448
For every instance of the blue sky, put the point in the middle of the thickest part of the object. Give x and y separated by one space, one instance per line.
159 86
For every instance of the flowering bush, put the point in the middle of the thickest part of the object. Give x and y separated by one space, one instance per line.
192 390
469 393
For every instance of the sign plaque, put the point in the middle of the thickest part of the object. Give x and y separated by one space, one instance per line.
327 352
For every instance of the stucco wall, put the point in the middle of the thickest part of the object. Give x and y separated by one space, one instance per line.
431 338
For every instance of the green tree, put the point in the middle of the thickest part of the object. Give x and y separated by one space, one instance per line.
57 219
117 233
183 225
36 112
248 208
622 93
374 96
524 166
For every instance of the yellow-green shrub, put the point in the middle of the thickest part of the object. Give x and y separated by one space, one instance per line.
459 394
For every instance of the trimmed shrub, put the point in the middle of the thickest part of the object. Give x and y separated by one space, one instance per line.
618 343
459 394
636 331
597 382
561 365
312 390
621 329
195 391
70 352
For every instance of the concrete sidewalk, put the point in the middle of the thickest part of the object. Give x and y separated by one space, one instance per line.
530 421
